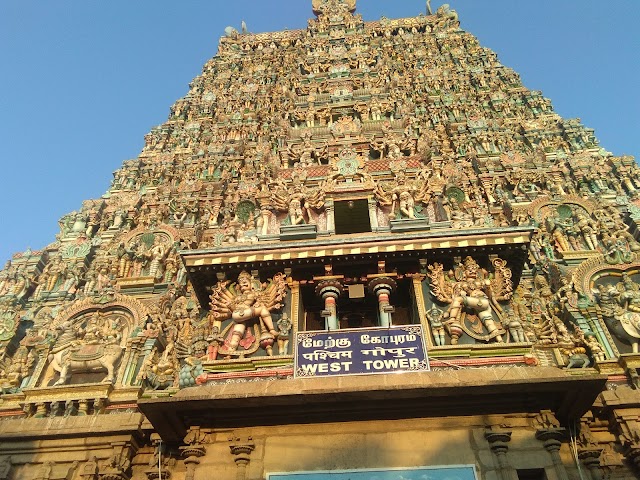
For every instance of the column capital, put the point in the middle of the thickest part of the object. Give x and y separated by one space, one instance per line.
498 439
382 283
241 448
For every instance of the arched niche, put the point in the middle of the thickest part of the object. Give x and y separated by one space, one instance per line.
89 341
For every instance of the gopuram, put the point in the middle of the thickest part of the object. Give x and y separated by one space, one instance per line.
363 249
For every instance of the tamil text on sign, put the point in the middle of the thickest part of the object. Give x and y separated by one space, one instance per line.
360 351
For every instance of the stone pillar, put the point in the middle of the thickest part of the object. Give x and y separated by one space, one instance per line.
329 291
589 451
623 408
552 441
498 442
83 408
373 214
118 465
129 362
241 450
192 460
331 218
41 410
158 470
590 458
194 449
383 291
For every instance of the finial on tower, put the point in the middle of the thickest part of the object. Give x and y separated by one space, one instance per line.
321 5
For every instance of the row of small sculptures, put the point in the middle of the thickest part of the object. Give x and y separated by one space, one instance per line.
175 337
571 228
268 81
246 317
566 228
524 182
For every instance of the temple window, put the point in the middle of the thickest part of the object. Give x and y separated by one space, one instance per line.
352 216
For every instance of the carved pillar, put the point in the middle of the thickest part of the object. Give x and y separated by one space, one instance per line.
622 407
498 442
83 408
117 467
191 462
241 450
330 290
331 218
589 452
373 214
41 410
552 441
158 468
382 288
590 458
627 423
129 361
194 449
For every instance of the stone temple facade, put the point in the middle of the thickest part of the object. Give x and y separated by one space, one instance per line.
359 248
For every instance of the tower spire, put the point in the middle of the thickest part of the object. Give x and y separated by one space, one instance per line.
323 6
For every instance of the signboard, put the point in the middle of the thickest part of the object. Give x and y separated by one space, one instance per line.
454 472
360 351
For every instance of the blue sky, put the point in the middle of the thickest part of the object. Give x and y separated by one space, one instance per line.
83 80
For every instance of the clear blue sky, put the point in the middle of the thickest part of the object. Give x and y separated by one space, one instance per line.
82 81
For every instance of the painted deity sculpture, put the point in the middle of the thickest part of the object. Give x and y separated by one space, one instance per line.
90 344
247 303
470 291
620 307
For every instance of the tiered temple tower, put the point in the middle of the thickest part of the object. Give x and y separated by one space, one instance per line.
324 205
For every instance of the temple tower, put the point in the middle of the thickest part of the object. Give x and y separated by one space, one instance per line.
352 247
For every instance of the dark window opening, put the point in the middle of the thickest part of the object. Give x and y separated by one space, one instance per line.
532 474
352 216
